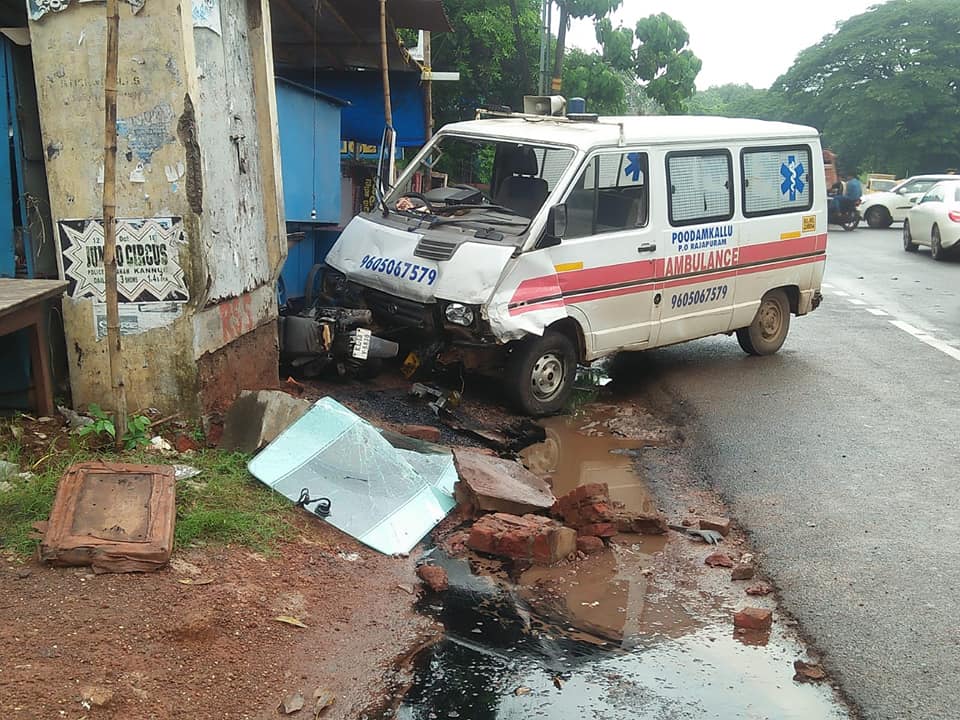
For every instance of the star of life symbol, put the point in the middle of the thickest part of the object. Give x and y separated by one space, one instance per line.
792 173
633 166
131 281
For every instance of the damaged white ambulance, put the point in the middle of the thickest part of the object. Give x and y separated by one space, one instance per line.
523 245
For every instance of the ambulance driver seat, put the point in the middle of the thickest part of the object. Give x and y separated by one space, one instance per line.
519 187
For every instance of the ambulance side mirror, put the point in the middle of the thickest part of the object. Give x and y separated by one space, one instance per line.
556 226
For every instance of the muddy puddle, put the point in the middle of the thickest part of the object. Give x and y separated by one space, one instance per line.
630 632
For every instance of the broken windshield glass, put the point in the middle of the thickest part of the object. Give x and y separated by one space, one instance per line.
476 174
385 497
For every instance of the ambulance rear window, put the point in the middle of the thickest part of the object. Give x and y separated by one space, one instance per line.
776 180
700 185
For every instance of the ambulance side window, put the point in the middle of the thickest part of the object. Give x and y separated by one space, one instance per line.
610 195
776 180
700 186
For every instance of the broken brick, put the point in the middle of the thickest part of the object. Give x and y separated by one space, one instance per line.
753 618
530 537
808 672
589 544
719 524
742 571
422 432
183 443
643 523
719 559
433 577
598 529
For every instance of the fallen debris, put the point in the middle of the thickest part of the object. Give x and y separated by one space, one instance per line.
531 537
433 577
292 703
753 618
808 672
589 509
322 699
290 620
8 470
116 517
717 524
257 418
491 484
590 544
95 696
719 559
386 497
742 571
429 433
759 589
708 536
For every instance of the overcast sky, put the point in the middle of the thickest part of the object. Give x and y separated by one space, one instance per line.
739 41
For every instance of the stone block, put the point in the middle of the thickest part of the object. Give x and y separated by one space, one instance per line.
256 419
491 484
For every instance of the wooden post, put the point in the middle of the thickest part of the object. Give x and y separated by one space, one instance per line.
387 107
428 95
109 220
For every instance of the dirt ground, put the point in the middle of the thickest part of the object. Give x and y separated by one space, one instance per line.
200 640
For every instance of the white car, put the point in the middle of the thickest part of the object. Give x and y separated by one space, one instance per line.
935 220
881 209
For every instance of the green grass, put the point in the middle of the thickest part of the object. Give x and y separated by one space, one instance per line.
222 505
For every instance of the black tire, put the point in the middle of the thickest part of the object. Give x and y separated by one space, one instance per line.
765 335
936 245
852 224
540 373
878 217
908 244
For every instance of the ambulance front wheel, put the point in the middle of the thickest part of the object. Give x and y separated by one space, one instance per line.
540 373
765 335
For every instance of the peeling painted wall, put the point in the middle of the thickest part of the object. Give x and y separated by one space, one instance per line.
189 146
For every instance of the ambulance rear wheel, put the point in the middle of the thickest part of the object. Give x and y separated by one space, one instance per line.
765 335
540 373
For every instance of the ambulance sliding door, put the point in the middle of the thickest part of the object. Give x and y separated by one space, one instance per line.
700 245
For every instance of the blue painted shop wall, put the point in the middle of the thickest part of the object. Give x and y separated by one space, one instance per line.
302 255
14 348
363 119
309 152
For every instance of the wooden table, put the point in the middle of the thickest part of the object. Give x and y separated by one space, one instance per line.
23 305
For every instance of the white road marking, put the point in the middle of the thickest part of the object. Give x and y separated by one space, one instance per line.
877 312
841 293
826 285
854 301
928 339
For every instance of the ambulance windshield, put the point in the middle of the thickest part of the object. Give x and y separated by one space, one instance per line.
473 176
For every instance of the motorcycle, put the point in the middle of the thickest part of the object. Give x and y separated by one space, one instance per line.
844 213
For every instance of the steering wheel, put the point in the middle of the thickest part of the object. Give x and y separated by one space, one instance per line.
422 198
464 186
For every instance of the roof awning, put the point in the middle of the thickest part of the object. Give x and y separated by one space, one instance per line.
343 34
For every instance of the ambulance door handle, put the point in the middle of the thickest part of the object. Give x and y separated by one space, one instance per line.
647 247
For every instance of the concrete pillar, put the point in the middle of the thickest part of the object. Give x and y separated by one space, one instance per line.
199 189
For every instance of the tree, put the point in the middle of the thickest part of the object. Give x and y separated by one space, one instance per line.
664 61
597 9
733 100
660 66
494 67
883 88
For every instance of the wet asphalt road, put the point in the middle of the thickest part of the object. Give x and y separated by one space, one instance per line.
841 456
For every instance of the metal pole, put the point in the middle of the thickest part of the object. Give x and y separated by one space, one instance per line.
544 46
114 347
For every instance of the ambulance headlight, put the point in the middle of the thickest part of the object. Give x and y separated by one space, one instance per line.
459 314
